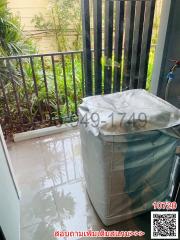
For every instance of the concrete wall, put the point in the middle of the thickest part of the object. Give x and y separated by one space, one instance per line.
46 42
27 10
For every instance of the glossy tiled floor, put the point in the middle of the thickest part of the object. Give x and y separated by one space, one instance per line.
50 176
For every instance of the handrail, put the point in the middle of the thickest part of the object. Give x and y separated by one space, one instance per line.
49 54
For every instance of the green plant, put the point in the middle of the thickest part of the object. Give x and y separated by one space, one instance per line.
12 41
63 17
150 68
30 109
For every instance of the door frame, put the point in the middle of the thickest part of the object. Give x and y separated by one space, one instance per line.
9 164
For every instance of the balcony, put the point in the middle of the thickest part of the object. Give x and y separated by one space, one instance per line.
43 90
40 90
53 194
37 92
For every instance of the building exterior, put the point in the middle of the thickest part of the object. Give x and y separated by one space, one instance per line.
26 10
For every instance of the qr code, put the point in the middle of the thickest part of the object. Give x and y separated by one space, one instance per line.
164 225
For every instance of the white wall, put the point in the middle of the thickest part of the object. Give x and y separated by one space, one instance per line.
26 10
9 202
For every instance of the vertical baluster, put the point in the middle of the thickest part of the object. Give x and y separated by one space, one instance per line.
46 87
136 47
6 109
82 73
13 82
74 83
97 9
118 46
146 43
108 45
87 47
25 89
35 86
65 84
129 26
3 110
56 89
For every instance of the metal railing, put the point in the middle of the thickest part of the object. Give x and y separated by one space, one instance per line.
40 90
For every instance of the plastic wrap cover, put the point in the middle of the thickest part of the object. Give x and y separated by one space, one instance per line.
124 112
126 171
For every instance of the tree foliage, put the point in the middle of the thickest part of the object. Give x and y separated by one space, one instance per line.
12 41
64 18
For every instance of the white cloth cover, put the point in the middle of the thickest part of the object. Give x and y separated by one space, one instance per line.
128 166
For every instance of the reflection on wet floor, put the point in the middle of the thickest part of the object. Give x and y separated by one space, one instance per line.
50 176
